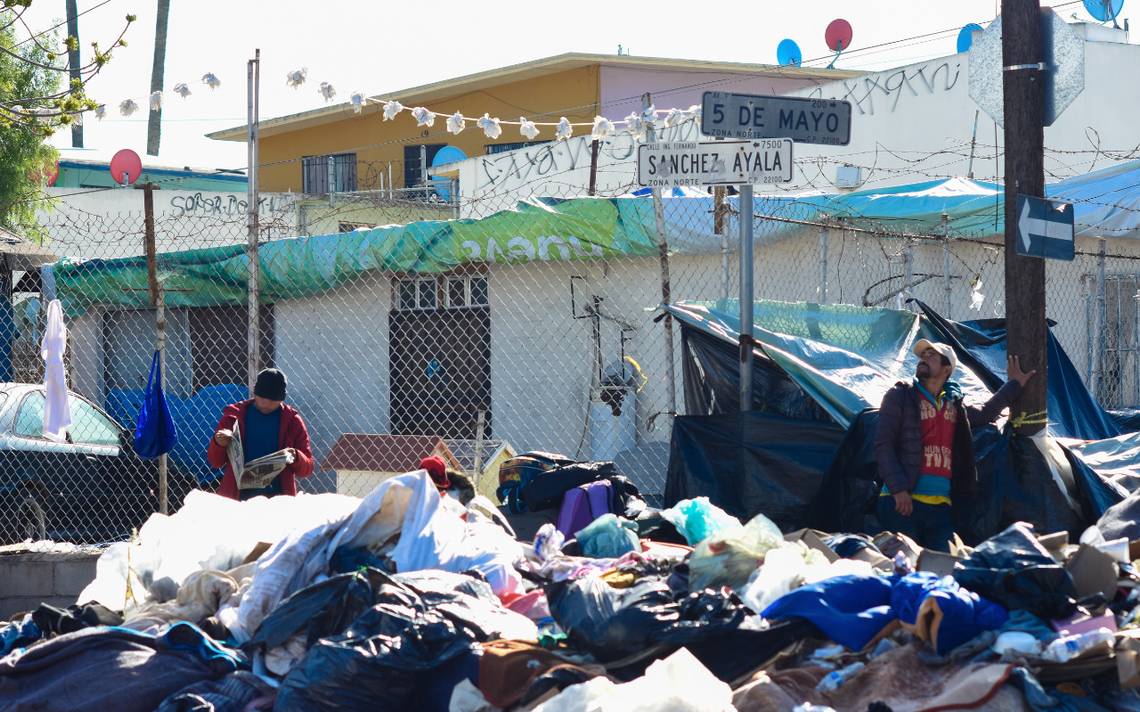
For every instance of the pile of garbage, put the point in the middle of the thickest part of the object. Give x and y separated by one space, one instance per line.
409 599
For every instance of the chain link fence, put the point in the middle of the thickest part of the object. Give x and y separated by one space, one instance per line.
488 339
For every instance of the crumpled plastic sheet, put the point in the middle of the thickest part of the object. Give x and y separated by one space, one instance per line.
730 556
679 683
209 532
432 534
788 567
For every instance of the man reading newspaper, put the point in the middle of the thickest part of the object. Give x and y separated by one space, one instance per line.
262 443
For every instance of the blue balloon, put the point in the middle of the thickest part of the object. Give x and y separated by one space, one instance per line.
788 53
966 36
447 154
1104 10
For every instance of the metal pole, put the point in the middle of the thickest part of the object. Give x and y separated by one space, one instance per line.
1088 294
593 189
423 168
253 345
824 238
158 69
391 185
746 242
156 298
1101 318
663 256
946 266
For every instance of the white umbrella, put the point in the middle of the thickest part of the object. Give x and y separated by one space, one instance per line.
57 412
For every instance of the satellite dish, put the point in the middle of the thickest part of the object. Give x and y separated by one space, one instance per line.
447 154
126 162
838 35
1104 10
966 36
788 53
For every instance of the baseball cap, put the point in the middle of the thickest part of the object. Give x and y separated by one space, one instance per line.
945 349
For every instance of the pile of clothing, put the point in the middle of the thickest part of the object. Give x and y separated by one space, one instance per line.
413 599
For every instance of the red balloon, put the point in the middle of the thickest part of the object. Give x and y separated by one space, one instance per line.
838 35
126 161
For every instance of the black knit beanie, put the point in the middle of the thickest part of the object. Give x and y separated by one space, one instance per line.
270 384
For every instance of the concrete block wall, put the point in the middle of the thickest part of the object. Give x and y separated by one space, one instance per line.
29 577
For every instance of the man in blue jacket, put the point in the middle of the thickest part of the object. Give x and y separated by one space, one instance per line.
925 445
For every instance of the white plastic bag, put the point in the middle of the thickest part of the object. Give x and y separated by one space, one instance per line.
679 683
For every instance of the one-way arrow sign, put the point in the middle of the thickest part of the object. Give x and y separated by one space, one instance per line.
1044 228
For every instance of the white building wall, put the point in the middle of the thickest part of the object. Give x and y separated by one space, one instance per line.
334 349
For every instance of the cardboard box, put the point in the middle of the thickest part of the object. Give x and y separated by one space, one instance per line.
936 562
812 540
1083 623
1093 572
1055 544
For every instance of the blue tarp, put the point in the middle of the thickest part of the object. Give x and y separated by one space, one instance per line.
843 359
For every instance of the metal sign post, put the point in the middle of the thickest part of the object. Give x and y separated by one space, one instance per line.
746 315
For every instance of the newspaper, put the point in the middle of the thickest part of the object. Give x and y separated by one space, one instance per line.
258 473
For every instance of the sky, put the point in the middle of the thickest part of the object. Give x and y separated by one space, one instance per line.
381 47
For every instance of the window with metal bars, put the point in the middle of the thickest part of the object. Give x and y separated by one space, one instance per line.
331 173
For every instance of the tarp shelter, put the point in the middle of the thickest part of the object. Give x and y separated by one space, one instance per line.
804 454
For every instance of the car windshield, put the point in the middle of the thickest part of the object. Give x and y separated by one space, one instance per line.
88 425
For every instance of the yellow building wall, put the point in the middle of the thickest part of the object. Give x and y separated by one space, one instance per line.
573 94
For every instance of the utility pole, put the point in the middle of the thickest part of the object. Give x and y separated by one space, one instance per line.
253 345
663 261
73 65
1023 87
158 69
156 300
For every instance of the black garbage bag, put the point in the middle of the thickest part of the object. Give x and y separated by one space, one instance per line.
319 610
1013 569
389 659
546 490
614 623
468 602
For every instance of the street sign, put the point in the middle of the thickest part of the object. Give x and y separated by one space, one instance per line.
1064 74
1044 228
751 116
682 163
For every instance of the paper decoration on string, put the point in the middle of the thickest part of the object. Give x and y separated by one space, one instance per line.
182 90
491 127
456 123
423 117
100 111
128 107
603 128
357 101
211 80
297 77
156 101
392 109
327 92
635 124
564 130
527 128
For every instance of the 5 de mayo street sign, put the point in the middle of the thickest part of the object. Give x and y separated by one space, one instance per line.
751 116
683 163
1044 228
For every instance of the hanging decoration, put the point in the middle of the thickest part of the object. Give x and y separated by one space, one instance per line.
603 128
211 80
100 111
156 101
128 107
491 127
564 130
423 117
392 109
297 77
357 101
327 92
456 123
528 128
182 89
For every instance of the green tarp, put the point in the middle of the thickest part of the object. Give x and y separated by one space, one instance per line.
304 266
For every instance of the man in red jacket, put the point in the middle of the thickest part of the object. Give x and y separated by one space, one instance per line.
266 427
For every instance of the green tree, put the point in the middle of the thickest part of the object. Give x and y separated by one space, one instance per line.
36 98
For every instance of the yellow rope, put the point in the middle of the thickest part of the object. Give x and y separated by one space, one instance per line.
1023 419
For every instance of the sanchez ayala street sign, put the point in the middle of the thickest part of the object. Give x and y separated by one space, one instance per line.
689 163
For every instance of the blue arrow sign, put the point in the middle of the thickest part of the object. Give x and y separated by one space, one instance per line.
1044 228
